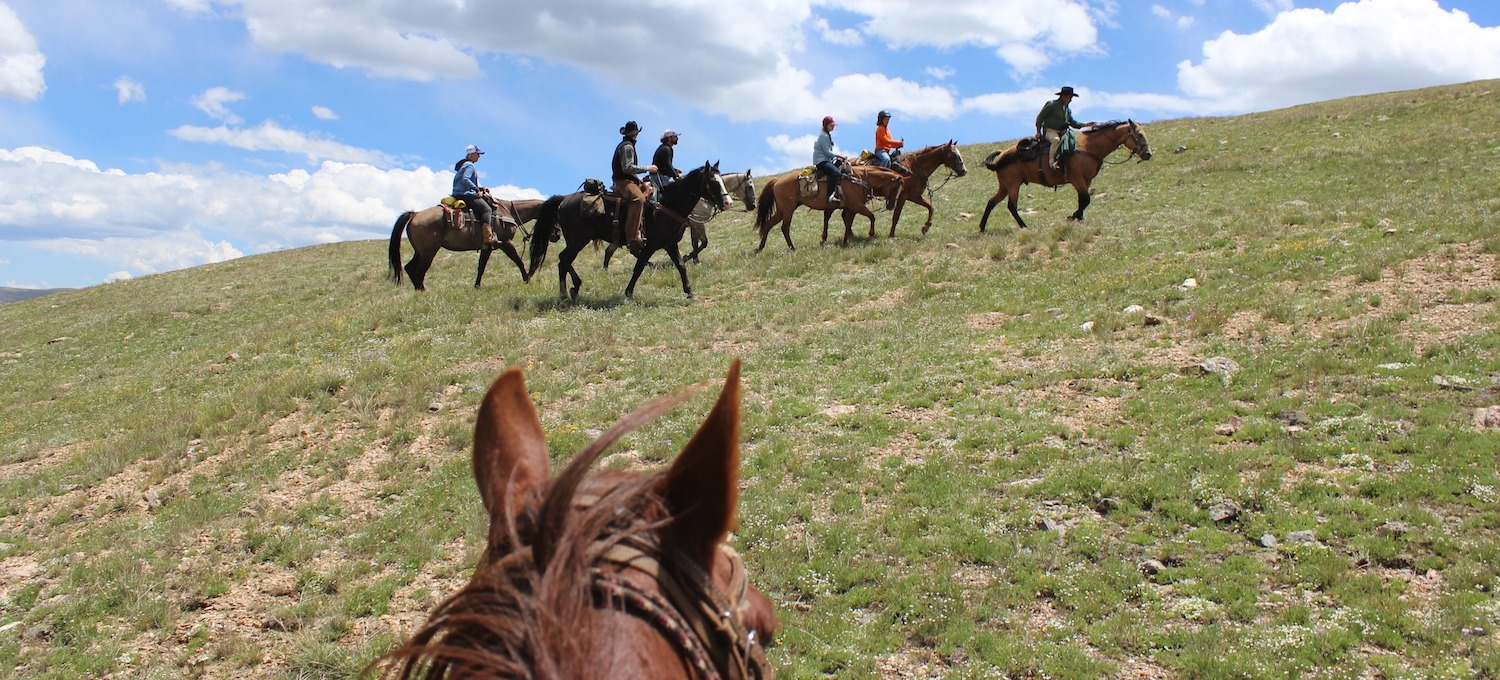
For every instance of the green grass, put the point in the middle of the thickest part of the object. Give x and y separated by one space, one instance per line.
260 466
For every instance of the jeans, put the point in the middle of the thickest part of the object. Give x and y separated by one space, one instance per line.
833 174
882 157
482 210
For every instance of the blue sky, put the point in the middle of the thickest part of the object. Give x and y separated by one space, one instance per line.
142 136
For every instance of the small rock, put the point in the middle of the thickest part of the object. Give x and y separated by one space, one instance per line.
1189 283
54 341
1292 417
1296 203
1106 504
1152 320
1223 512
951 246
1268 540
1218 365
1048 524
36 633
1393 367
1133 309
1054 311
1304 536
1337 135
1452 382
153 499
1390 232
233 357
1179 149
249 512
435 406
1086 326
965 215
1151 567
1229 428
1394 528
9 626
1487 418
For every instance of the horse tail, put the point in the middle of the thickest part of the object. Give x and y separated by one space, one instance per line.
990 160
541 232
767 202
395 251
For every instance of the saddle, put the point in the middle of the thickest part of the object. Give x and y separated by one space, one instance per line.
459 216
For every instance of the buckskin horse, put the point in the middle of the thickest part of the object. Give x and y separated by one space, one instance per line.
736 184
582 219
430 231
781 196
922 164
1012 170
612 574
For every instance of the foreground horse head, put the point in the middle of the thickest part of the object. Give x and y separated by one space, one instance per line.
611 574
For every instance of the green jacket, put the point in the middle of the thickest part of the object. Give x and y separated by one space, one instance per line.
1056 115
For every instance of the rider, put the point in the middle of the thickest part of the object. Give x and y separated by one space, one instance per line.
628 184
823 159
666 173
1055 118
884 145
466 189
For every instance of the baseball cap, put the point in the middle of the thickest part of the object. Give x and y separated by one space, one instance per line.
473 149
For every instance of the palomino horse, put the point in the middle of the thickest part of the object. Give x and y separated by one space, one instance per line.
662 226
1011 171
613 574
781 196
429 232
737 185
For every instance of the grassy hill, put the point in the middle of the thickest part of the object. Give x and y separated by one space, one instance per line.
259 467
13 294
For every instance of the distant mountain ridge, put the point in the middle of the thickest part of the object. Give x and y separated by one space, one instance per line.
15 294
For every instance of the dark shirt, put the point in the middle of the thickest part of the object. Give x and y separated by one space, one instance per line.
663 161
623 165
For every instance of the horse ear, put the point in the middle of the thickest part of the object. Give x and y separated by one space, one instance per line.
702 486
510 450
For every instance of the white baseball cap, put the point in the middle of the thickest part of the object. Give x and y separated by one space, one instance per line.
669 133
473 149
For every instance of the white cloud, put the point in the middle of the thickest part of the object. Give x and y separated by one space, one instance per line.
846 37
268 136
940 72
118 276
20 61
324 113
1061 26
129 91
1360 47
1274 7
213 101
157 221
791 152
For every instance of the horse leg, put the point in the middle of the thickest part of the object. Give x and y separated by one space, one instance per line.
510 251
484 259
676 255
416 270
848 225
827 214
641 261
564 268
870 215
1083 200
922 201
608 253
699 240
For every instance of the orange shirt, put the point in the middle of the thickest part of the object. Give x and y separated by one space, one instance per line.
883 139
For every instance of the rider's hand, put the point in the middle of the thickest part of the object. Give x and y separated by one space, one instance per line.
651 168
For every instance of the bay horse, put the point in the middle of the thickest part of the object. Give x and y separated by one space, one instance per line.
612 574
429 231
736 185
1012 171
782 195
922 164
662 225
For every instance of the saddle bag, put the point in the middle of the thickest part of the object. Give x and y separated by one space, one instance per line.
593 187
1030 148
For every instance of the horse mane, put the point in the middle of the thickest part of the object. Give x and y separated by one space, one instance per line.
1108 125
527 610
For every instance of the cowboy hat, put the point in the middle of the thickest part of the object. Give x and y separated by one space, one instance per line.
630 127
1067 90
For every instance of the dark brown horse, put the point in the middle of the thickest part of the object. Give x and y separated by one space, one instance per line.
582 221
429 231
613 574
781 196
922 164
1079 169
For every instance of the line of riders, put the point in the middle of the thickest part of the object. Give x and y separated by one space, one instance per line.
1054 126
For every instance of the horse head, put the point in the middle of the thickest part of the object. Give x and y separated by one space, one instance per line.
1136 141
953 159
747 191
625 571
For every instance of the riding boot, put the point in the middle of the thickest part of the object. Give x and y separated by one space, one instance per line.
490 240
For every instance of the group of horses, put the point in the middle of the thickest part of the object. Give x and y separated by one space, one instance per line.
629 574
585 217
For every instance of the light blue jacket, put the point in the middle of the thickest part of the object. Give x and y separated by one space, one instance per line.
823 148
466 181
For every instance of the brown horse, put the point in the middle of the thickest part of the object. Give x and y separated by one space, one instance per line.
922 164
1079 169
613 574
429 231
781 196
882 182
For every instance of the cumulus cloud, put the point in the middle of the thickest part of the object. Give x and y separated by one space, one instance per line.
128 90
268 136
1362 47
940 72
143 223
214 103
324 113
789 152
20 61
847 37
